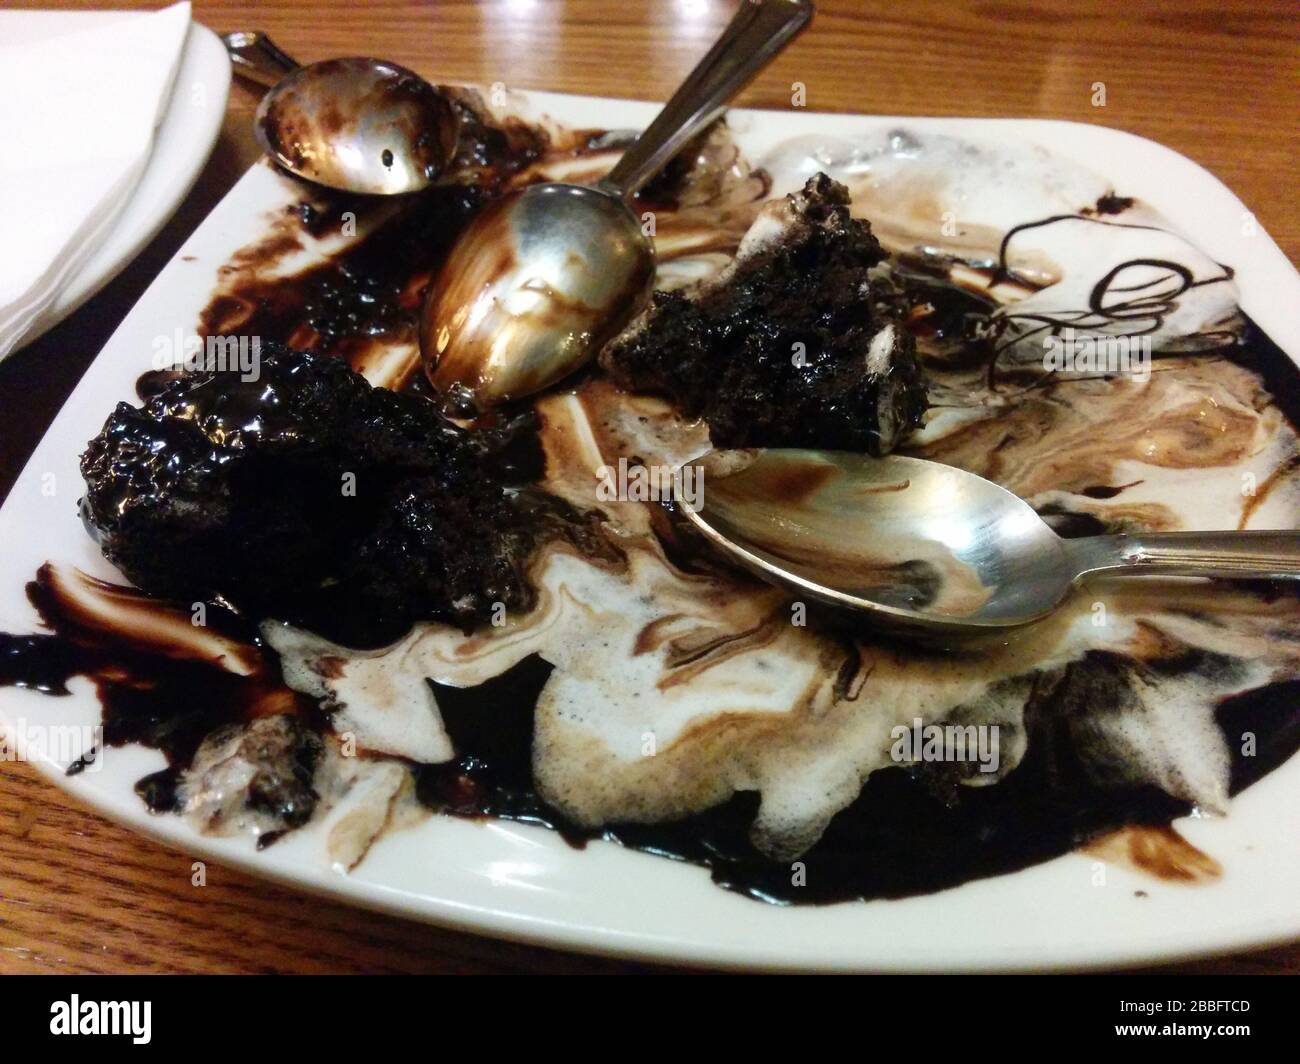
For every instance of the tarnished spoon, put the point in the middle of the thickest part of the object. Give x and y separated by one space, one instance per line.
360 125
543 277
921 545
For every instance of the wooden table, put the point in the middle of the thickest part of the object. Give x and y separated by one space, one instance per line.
1216 81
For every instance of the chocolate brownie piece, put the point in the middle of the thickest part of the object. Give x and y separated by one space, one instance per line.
794 344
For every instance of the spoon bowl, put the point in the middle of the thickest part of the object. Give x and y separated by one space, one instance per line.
533 289
543 277
359 125
924 546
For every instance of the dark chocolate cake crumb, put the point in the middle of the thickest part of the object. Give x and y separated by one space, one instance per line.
308 495
795 344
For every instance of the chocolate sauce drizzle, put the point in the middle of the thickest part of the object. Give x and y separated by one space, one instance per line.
1113 309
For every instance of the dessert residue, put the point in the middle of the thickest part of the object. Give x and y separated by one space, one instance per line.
586 664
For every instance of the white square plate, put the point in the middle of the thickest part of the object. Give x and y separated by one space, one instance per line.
525 883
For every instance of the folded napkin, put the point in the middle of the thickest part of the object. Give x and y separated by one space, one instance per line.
78 111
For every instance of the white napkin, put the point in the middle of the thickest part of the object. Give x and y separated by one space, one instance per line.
78 111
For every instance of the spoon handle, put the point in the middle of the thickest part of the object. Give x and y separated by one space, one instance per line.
255 56
1243 555
759 30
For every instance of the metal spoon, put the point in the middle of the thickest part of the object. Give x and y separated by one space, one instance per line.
543 277
360 125
925 546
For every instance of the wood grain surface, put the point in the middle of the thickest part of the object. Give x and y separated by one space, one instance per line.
1216 81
